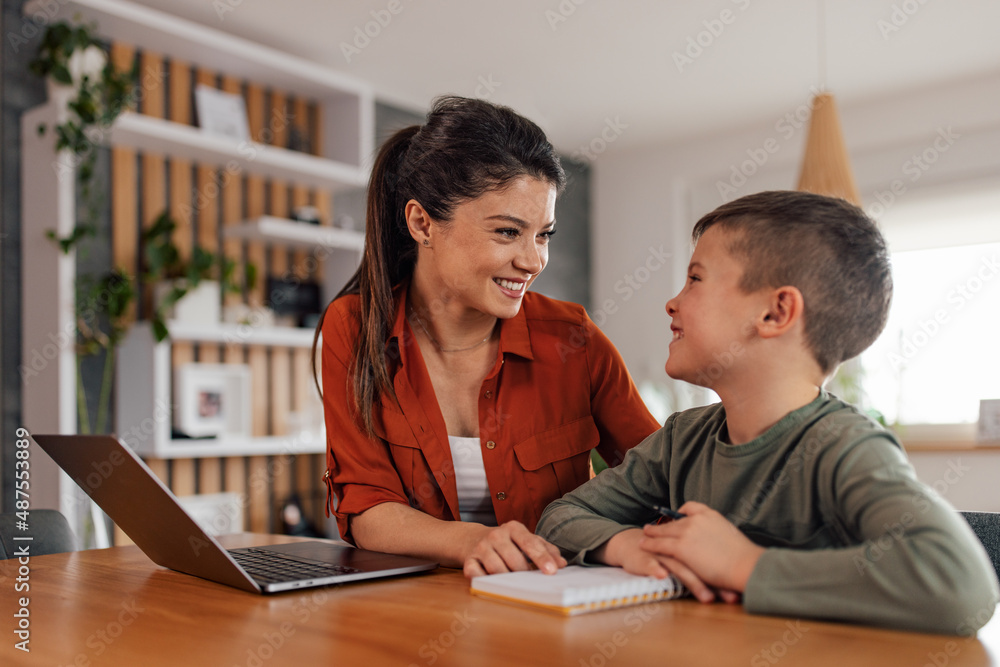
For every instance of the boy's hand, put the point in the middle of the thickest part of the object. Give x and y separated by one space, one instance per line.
707 544
625 550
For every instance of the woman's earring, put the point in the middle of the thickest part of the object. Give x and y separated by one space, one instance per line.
427 243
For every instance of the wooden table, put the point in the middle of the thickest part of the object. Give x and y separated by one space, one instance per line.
115 607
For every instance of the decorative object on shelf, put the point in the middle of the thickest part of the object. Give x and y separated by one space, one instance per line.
246 315
825 167
293 519
95 93
989 420
299 140
212 400
221 113
103 316
163 264
307 214
294 300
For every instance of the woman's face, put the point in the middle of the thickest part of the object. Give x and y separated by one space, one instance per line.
494 247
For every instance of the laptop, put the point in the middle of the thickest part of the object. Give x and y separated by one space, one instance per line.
135 499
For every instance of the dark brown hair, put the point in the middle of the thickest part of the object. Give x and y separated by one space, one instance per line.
829 249
467 147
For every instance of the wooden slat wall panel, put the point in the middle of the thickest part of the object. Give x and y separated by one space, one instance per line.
203 199
232 207
323 201
259 495
235 467
124 202
307 466
154 193
276 131
183 473
282 468
299 268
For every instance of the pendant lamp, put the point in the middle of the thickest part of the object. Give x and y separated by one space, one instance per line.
825 167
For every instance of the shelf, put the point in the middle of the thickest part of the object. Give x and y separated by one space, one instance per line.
156 135
262 446
242 334
344 102
296 234
180 39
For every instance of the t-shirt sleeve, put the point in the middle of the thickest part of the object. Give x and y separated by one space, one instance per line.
621 416
916 565
587 517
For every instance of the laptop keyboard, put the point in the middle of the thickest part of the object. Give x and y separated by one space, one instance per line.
270 567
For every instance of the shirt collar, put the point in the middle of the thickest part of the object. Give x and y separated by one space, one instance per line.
514 337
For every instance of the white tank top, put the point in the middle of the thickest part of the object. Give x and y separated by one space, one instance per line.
474 501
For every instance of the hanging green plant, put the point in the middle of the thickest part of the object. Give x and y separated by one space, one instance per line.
71 58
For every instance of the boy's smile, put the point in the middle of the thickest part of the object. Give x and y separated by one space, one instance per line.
712 318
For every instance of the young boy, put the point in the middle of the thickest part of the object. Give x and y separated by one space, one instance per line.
793 499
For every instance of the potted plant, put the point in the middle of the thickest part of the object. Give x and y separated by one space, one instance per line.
176 278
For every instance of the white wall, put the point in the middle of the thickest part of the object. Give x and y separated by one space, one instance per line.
651 197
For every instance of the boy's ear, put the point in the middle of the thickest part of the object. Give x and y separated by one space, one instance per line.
785 307
418 221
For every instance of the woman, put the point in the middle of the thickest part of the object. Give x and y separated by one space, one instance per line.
457 404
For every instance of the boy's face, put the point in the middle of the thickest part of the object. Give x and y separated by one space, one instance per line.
712 319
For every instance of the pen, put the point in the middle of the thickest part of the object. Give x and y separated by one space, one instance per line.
668 513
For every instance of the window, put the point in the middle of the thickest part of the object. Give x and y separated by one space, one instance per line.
940 352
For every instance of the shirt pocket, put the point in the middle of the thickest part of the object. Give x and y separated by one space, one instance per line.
397 434
556 461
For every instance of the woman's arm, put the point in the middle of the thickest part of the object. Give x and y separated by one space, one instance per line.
478 549
622 417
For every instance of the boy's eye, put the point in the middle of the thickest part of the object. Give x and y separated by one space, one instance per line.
693 278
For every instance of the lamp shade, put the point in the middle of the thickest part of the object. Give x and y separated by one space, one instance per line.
825 169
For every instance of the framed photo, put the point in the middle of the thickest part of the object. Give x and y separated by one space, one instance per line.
212 400
221 113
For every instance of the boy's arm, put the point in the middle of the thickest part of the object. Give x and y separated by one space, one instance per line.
919 566
618 499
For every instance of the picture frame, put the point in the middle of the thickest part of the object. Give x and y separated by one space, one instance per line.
221 113
212 400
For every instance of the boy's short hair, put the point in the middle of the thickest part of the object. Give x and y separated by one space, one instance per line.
827 248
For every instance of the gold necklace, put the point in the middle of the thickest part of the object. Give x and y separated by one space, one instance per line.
420 322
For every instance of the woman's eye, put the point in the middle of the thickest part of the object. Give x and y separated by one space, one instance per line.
545 236
509 232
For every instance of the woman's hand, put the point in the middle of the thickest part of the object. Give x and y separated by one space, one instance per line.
509 548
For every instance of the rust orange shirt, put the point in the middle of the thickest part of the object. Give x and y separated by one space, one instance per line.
558 389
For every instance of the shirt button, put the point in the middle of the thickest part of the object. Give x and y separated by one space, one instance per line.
489 394
501 495
490 444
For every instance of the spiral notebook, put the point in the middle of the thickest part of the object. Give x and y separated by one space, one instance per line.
576 589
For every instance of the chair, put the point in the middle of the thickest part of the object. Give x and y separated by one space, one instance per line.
986 526
50 534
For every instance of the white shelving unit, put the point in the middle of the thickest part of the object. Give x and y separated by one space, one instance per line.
149 403
156 135
346 102
296 234
346 108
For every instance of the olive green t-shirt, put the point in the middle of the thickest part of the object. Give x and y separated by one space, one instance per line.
850 532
